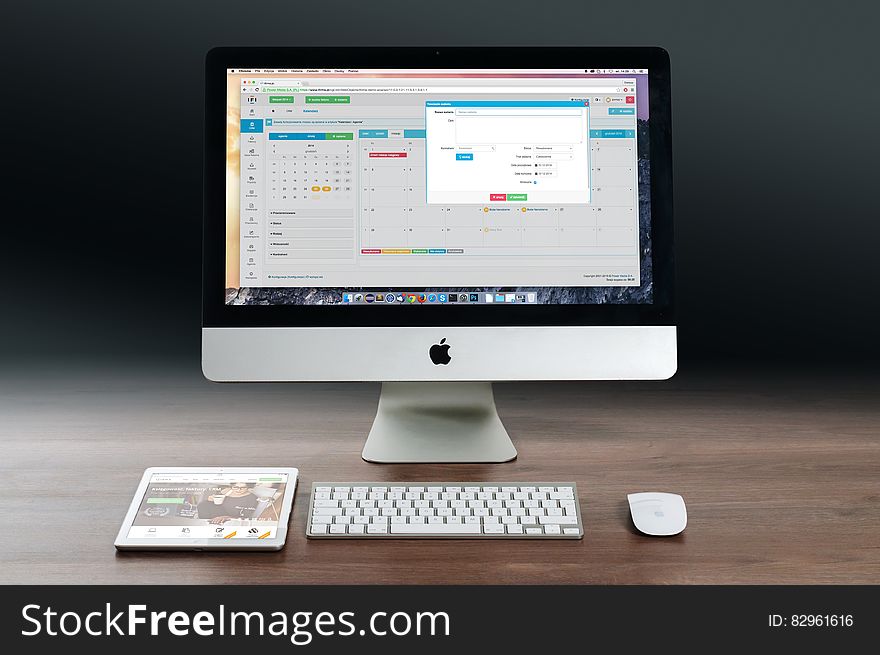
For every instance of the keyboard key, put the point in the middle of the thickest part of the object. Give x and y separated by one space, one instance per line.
436 528
319 528
552 529
534 531
493 528
571 531
515 529
378 528
356 529
337 529
326 511
559 520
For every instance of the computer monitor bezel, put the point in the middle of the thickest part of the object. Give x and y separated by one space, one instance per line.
216 313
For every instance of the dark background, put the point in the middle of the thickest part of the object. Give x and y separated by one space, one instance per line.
775 148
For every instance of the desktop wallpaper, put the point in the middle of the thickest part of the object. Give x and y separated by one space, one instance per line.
235 294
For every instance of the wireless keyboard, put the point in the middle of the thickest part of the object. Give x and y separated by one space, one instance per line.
452 510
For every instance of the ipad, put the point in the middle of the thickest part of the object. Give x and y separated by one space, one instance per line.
209 508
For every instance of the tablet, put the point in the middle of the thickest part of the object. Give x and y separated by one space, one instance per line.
209 508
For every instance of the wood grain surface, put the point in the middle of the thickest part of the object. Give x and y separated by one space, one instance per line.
781 475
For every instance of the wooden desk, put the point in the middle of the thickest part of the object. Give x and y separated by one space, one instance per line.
781 477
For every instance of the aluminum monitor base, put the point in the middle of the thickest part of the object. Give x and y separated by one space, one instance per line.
437 422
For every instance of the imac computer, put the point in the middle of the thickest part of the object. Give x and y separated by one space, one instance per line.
438 219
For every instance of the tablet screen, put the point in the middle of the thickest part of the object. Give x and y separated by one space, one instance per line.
210 506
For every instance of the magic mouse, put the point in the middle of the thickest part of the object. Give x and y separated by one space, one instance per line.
658 514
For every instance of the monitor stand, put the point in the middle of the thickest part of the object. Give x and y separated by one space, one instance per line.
436 422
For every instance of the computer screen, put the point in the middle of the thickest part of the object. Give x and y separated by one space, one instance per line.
490 187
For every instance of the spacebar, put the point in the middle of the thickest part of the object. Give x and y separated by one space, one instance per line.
436 528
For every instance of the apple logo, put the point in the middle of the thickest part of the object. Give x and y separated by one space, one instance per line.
439 352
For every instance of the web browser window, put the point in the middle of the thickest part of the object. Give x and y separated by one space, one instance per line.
217 506
348 186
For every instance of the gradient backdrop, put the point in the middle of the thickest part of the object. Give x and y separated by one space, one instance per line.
776 158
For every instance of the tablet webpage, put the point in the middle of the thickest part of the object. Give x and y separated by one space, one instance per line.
210 506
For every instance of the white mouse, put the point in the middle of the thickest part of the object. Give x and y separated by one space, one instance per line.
658 514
